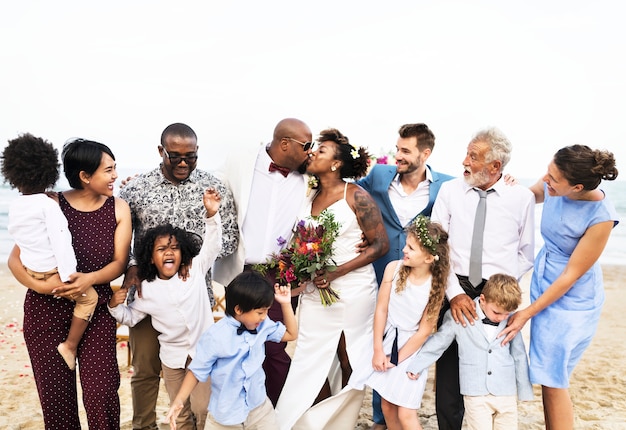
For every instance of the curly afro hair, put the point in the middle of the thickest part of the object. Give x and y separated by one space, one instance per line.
354 161
30 164
188 242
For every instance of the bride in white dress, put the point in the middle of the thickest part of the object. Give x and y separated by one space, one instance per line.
322 390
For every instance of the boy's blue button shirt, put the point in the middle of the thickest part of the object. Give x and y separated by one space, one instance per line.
234 363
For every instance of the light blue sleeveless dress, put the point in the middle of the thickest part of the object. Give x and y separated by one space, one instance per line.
560 333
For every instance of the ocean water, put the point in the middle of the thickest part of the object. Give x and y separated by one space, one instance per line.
614 253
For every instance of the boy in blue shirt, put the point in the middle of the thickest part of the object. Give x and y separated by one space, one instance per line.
231 353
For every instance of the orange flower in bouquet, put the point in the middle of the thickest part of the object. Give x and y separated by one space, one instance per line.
310 250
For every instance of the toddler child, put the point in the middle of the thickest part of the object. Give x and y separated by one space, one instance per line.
180 308
410 297
490 374
231 353
39 228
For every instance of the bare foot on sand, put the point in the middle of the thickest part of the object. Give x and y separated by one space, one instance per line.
68 355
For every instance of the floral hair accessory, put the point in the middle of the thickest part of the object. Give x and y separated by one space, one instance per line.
312 184
428 242
355 153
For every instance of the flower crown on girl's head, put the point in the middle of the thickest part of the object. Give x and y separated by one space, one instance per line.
428 242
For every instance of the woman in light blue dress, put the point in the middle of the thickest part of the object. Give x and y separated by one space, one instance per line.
566 288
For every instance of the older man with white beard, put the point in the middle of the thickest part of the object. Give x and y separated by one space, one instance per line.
507 228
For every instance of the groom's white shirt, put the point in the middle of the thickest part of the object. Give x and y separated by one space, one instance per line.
268 205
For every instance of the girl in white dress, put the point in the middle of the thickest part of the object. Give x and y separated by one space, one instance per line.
322 390
409 300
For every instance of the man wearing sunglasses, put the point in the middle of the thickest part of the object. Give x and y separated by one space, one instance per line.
171 193
269 188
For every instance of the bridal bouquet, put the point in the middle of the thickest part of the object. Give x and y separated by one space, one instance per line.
309 250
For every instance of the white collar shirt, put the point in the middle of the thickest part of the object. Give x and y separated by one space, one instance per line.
490 330
509 228
234 362
180 310
273 209
406 206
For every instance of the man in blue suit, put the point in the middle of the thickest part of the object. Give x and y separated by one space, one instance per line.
403 192
406 190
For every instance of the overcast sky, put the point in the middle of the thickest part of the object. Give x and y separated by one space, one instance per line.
547 73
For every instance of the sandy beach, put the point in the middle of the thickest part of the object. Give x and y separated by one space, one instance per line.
598 385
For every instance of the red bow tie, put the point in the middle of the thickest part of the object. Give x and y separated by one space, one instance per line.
276 168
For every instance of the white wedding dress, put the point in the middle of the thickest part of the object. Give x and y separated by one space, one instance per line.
320 327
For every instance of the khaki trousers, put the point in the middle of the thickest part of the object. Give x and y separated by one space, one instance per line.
85 304
195 409
259 418
490 412
144 384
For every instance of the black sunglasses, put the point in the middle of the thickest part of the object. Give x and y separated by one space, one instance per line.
177 159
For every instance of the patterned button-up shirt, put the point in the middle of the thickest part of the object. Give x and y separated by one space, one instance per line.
154 200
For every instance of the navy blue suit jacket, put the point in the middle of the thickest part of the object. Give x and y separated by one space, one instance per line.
377 183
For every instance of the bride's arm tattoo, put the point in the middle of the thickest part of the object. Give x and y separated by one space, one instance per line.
371 223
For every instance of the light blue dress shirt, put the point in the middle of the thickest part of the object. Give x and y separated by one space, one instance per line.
234 363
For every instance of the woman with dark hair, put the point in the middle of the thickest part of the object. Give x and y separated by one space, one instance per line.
314 395
566 290
100 225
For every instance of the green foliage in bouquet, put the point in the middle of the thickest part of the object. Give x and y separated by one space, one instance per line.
310 250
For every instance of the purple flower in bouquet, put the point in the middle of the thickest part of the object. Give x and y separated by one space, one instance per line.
309 250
